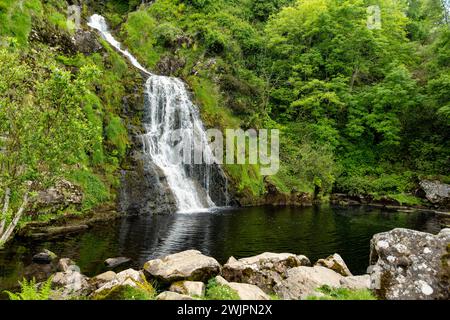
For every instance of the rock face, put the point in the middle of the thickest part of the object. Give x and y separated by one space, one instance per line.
436 192
189 265
407 264
144 189
335 263
245 291
265 270
302 282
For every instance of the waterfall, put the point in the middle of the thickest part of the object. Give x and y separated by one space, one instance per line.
168 109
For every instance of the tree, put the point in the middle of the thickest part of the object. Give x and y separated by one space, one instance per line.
42 129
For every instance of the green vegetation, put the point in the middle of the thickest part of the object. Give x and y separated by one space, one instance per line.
342 294
215 291
30 291
362 111
59 112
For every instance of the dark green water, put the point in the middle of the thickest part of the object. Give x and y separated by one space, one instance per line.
315 232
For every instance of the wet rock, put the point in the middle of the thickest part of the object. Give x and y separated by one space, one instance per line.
115 262
144 188
189 265
169 295
245 291
44 257
436 192
335 263
407 264
302 282
190 288
264 270
356 282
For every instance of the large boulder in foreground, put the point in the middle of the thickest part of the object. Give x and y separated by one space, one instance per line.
189 265
335 263
410 265
264 270
302 282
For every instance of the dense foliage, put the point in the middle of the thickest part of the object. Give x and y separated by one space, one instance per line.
59 111
362 109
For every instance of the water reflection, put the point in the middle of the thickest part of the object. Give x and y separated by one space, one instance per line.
315 232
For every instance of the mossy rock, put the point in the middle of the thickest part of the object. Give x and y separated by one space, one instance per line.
125 292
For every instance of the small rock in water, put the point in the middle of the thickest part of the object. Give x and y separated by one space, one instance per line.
115 262
44 257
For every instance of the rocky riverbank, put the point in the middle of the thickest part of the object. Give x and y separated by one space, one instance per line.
404 264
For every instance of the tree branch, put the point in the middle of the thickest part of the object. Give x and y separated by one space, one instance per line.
5 210
16 219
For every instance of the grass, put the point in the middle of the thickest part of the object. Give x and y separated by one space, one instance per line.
342 294
215 291
406 199
94 190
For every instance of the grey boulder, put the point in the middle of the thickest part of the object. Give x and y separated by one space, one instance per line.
410 265
302 282
189 265
264 270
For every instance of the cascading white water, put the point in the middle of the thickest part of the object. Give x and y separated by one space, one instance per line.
99 23
169 108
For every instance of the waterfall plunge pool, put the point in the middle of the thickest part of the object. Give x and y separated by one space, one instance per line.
315 232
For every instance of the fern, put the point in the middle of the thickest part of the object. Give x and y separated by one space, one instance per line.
30 291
